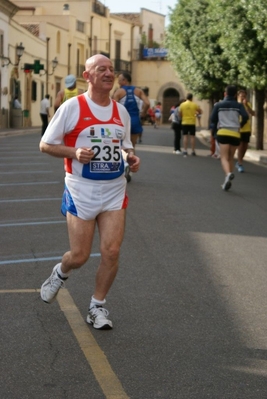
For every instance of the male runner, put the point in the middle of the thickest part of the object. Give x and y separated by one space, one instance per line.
90 131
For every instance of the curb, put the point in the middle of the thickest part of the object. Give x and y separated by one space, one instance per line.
259 156
18 132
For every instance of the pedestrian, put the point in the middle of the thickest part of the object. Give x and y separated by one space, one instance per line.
214 145
151 116
188 111
198 116
177 127
131 97
172 109
228 116
69 91
44 112
16 103
245 131
158 114
92 132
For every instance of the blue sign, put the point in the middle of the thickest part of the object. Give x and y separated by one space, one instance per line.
155 52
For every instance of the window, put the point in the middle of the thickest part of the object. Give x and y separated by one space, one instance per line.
34 91
58 42
150 35
1 43
80 26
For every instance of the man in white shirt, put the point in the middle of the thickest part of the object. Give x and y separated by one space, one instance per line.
16 103
44 112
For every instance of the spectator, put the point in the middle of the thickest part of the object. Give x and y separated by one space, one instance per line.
16 103
44 112
188 111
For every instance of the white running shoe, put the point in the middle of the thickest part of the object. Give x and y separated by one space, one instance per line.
51 286
97 316
227 182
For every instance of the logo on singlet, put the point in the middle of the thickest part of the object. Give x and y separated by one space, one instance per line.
92 131
105 132
119 133
117 121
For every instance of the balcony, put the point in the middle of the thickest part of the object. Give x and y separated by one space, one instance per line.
99 8
122 65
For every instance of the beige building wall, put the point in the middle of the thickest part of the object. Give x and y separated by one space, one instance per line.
154 20
32 46
76 32
121 30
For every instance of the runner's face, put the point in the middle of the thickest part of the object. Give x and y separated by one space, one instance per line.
242 96
101 75
121 80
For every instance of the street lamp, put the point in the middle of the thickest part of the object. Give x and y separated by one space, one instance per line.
54 65
19 52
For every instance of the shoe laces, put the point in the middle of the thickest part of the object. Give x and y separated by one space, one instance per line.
56 282
98 311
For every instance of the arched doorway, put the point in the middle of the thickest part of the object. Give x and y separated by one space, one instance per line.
170 97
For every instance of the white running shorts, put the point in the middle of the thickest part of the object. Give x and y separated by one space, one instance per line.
88 198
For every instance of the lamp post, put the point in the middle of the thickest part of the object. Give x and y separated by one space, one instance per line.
54 65
19 52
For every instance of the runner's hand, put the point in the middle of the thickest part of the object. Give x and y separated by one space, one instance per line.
134 162
84 155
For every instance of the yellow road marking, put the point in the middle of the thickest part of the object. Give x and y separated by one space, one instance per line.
96 358
107 379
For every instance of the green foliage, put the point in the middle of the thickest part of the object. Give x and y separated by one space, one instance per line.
242 41
215 42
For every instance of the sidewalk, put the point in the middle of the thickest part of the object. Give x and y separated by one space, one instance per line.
253 155
19 131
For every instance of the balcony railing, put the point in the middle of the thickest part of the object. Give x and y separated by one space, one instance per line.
122 65
99 8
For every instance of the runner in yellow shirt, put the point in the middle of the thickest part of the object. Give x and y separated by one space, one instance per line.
245 131
69 91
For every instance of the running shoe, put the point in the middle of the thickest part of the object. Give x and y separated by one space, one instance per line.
193 153
98 317
239 167
227 183
178 152
51 286
185 153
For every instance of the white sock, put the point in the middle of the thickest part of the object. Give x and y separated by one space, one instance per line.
96 302
60 272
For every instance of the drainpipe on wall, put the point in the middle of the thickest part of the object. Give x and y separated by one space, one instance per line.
69 46
47 62
91 36
109 45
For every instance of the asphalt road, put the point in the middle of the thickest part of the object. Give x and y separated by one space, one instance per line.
189 303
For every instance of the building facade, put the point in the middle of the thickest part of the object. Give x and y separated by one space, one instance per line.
58 37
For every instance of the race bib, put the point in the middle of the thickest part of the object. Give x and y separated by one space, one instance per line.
107 159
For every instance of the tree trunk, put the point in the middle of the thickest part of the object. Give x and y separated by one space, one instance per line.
259 125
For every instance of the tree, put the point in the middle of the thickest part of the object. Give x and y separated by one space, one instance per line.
195 51
244 44
217 42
